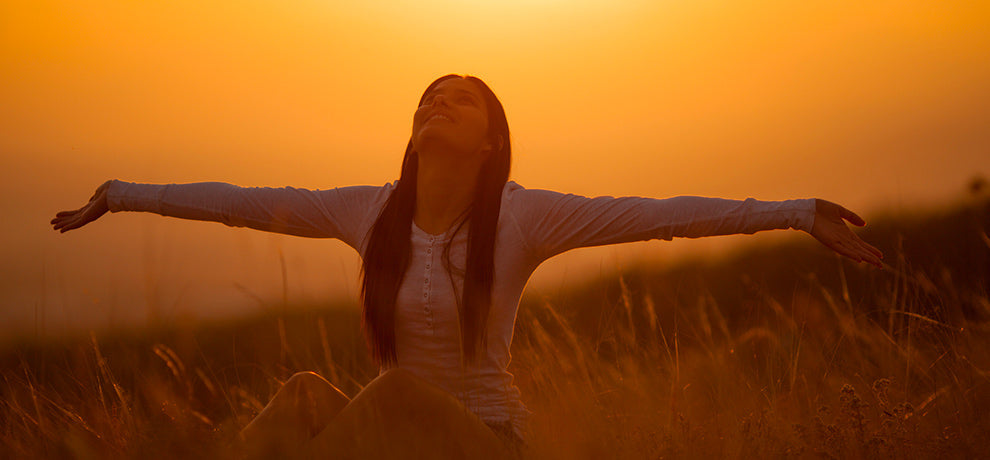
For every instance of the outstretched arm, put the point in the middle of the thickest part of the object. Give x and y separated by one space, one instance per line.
552 222
342 213
830 229
97 206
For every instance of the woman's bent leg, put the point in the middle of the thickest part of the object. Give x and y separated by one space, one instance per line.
299 410
399 415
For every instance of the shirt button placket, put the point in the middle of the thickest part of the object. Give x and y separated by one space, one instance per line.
426 285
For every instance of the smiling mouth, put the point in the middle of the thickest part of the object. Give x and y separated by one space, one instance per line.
438 116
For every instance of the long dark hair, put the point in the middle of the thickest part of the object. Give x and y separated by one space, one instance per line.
387 254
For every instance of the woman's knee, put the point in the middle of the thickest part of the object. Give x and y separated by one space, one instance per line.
311 385
397 375
399 381
310 391
306 380
407 410
397 393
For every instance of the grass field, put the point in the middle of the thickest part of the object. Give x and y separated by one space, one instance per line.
782 352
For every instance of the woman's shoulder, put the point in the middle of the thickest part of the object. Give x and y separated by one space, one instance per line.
511 187
525 204
366 194
513 190
387 187
515 195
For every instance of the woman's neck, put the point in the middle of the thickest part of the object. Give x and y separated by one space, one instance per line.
444 190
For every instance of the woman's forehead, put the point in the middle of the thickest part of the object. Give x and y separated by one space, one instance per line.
452 85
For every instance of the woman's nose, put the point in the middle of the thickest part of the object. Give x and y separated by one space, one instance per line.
439 99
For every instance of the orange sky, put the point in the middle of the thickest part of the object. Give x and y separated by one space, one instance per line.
871 104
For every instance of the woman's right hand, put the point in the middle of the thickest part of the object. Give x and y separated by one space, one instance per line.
97 206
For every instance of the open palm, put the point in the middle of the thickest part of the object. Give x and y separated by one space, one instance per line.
97 206
831 230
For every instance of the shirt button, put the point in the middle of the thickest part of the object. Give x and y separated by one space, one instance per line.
429 251
427 266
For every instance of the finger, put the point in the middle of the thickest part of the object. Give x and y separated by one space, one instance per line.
869 257
876 252
61 220
71 226
77 220
858 253
74 211
869 248
852 217
842 249
863 253
63 223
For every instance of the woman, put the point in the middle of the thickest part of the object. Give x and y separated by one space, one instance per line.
447 250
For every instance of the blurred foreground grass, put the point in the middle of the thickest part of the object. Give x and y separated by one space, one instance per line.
782 352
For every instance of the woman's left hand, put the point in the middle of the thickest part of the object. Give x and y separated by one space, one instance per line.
831 230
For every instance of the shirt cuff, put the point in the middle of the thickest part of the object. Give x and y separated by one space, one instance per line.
806 214
128 196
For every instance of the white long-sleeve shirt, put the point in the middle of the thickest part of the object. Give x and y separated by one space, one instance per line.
533 226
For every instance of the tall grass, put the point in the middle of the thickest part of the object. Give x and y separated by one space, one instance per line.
785 352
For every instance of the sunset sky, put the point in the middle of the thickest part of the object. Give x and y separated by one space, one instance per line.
876 105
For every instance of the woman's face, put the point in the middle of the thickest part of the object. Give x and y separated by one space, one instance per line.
452 118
